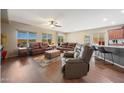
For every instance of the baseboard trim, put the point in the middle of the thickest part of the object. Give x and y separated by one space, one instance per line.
12 56
111 62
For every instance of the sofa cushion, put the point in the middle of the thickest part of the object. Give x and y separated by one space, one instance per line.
72 45
35 50
40 45
44 45
64 45
35 45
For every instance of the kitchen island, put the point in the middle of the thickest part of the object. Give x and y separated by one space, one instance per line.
118 54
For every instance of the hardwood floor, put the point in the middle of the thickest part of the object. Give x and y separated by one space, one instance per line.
26 70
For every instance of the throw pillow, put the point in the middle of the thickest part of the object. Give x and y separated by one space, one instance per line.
76 54
81 52
78 46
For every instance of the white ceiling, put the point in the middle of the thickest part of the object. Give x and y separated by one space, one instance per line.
71 20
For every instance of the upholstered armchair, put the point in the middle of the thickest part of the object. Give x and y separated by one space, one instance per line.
78 67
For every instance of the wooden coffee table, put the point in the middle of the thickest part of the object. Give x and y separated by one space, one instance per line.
52 53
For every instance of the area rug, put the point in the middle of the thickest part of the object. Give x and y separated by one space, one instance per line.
45 62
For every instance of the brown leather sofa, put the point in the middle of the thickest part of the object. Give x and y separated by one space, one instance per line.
66 46
74 68
38 48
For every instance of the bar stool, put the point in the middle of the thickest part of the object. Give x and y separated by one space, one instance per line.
102 50
95 49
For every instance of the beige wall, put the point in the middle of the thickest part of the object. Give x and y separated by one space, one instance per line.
10 31
10 40
79 36
76 37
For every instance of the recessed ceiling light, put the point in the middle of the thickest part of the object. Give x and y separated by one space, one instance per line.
122 11
105 19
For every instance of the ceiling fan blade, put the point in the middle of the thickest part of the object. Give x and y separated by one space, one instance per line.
57 25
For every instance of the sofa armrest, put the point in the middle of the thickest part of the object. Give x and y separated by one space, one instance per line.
29 48
73 60
68 55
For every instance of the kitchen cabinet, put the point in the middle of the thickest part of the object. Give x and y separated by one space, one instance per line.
116 34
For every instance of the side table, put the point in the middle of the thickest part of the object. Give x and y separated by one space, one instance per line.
22 51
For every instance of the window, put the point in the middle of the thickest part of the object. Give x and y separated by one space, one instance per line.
60 38
24 38
47 38
32 37
44 37
98 38
87 39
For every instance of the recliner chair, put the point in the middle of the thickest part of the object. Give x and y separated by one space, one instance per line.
75 68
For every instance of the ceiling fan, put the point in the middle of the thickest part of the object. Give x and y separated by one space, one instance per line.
54 23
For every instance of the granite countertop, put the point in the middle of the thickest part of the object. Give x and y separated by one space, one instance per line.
113 46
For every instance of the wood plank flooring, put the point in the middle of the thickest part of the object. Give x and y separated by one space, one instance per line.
26 70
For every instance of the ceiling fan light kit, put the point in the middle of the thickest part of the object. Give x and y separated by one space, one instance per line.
54 23
52 26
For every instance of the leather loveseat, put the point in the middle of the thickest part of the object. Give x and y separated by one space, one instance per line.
38 48
66 46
